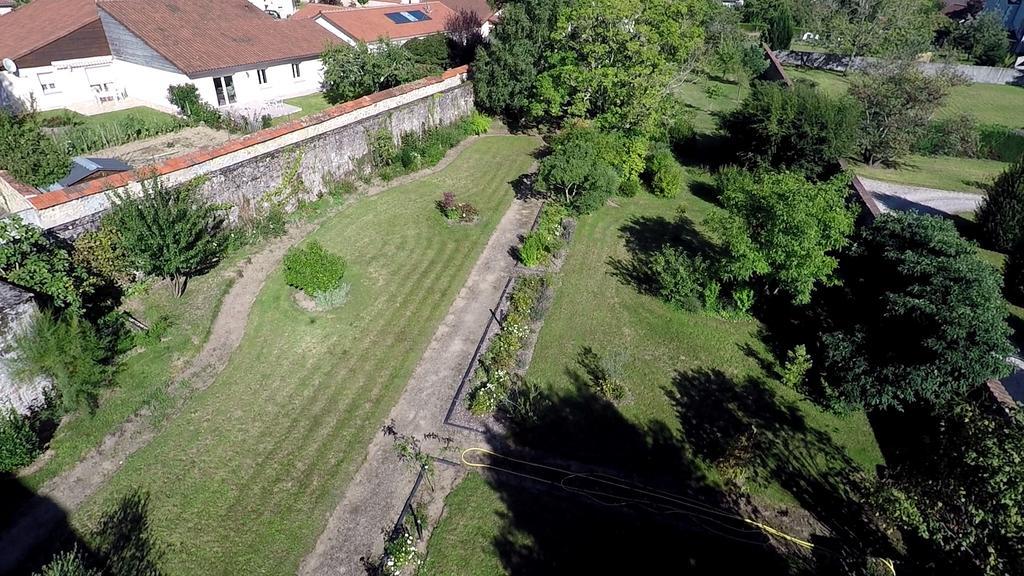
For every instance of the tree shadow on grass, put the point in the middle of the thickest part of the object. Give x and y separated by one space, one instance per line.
635 501
749 432
644 236
34 528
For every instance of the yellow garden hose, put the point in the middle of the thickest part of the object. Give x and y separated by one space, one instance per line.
693 507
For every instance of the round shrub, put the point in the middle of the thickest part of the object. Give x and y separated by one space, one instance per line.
630 187
18 444
1001 214
313 269
478 124
664 174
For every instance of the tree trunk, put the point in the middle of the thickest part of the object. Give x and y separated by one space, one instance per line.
179 281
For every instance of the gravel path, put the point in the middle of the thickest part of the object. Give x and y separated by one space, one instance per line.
902 197
378 491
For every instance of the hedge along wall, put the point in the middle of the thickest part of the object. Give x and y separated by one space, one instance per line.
243 171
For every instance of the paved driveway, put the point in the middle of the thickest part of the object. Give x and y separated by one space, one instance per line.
901 197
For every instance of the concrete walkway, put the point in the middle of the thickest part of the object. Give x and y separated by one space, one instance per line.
901 197
376 495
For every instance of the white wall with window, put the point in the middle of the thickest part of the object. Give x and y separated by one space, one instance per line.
261 84
62 84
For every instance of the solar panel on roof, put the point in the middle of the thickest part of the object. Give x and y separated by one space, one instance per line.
407 17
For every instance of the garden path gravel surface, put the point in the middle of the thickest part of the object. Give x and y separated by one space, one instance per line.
375 497
901 197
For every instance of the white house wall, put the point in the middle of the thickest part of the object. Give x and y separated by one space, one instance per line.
146 83
72 84
284 8
280 84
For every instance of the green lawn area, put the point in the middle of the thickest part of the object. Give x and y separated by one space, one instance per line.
310 104
74 118
707 97
243 480
653 342
942 172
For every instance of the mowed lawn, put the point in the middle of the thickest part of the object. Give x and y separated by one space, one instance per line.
942 172
242 482
650 342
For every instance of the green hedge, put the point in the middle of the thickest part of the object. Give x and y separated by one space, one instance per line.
313 269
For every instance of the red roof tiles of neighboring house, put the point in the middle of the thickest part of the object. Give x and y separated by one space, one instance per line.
370 24
202 36
310 11
40 22
481 7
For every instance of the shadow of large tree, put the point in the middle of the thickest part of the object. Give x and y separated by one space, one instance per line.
643 497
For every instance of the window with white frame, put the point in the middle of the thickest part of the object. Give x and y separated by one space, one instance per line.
261 76
48 81
296 72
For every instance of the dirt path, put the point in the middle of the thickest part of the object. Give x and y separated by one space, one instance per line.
70 489
378 491
901 198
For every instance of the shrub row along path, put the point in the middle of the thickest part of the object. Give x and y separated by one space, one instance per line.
377 493
901 197
70 489
66 492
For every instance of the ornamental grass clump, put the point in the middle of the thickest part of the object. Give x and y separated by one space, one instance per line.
494 376
313 269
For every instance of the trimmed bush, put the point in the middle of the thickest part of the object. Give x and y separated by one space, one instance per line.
679 278
313 269
18 443
957 136
664 174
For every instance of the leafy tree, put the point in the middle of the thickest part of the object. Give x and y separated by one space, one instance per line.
29 154
577 172
351 72
984 38
664 175
964 493
897 101
921 320
779 27
171 232
1001 214
505 72
611 60
798 128
782 229
31 260
885 28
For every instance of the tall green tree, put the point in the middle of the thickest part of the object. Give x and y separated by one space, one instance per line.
1001 214
506 68
781 230
897 101
798 128
29 154
778 26
351 72
984 38
578 172
611 60
921 319
171 232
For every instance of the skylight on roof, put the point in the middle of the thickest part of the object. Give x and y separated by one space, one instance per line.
407 17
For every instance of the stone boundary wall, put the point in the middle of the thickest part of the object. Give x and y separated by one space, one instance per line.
17 309
242 172
838 63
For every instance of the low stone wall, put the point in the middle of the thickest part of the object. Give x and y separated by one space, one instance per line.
17 309
244 171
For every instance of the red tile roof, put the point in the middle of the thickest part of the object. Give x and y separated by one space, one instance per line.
40 22
370 24
481 7
203 36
